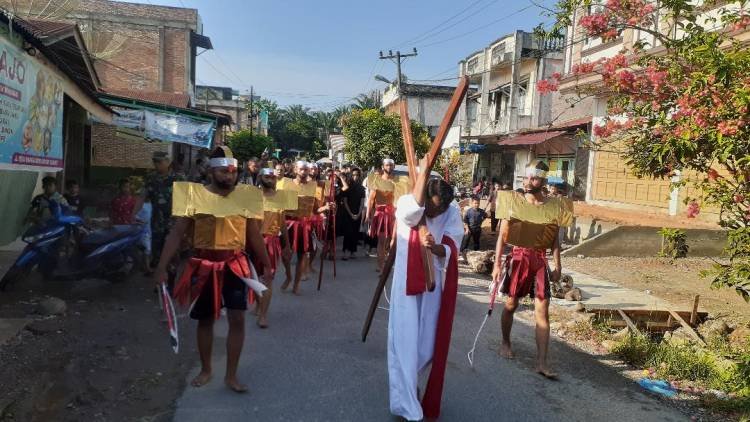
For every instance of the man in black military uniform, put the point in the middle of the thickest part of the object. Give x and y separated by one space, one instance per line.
158 190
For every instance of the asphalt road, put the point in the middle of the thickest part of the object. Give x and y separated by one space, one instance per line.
311 365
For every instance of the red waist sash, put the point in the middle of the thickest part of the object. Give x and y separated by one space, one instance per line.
208 267
273 247
383 220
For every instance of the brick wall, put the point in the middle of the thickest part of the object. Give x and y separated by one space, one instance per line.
177 49
136 10
136 65
108 150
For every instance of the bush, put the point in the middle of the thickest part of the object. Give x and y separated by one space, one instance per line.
673 243
706 367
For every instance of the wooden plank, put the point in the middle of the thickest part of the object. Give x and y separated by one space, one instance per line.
687 327
694 314
629 322
650 325
450 115
408 140
646 312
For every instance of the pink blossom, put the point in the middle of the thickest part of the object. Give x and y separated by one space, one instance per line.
693 209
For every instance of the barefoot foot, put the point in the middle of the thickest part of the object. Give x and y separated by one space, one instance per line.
201 379
262 322
285 285
235 385
546 372
506 351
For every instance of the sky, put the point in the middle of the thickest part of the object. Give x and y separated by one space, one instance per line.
322 53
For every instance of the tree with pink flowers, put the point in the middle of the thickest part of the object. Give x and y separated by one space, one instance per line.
681 105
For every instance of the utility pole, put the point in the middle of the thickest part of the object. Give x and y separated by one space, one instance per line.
398 58
251 109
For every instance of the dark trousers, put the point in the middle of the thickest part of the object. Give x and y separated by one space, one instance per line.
493 221
351 233
473 236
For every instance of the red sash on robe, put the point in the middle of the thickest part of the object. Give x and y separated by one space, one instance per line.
208 266
415 284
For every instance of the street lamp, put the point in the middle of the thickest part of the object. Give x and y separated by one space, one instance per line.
382 78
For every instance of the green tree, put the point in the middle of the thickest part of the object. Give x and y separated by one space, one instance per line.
455 167
371 135
245 144
371 100
680 109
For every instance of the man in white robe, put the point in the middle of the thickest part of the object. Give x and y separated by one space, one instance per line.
413 323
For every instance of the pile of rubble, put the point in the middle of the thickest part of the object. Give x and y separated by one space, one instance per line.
482 262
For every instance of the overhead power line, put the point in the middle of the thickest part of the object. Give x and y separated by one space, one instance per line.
477 29
438 26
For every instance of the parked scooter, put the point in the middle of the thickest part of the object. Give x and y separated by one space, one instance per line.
63 248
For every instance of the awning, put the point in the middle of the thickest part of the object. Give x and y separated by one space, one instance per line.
201 41
532 138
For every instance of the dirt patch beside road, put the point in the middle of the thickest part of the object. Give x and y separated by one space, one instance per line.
676 282
107 359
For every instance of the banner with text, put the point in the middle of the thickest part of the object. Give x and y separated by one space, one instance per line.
31 112
177 128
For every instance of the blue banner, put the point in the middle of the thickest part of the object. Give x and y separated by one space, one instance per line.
31 111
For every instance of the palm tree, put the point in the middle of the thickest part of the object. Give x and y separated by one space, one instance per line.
297 113
340 114
327 122
367 101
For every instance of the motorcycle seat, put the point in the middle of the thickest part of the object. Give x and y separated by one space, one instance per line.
111 234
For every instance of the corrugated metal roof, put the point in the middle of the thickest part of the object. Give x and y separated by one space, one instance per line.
532 138
44 29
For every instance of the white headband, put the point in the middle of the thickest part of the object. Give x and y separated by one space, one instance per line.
311 165
388 161
301 164
222 162
535 172
267 172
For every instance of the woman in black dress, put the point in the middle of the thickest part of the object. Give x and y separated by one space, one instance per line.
353 199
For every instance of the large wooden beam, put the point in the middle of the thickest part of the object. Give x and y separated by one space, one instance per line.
408 140
450 115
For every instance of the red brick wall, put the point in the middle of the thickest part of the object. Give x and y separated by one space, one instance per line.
134 10
110 151
136 64
177 50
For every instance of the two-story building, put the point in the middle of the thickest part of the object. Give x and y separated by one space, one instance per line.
145 57
508 116
610 181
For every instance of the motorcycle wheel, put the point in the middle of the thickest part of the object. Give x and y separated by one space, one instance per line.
120 271
13 275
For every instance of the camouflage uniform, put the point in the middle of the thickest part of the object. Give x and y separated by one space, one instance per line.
159 192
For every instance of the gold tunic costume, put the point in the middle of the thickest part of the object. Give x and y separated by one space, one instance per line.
533 226
387 192
274 208
219 221
300 221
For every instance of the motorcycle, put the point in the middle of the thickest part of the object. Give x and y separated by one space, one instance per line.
63 248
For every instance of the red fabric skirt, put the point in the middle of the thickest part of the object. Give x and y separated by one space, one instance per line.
317 221
529 275
300 234
208 267
273 247
383 221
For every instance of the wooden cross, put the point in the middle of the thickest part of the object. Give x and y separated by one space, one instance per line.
411 162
